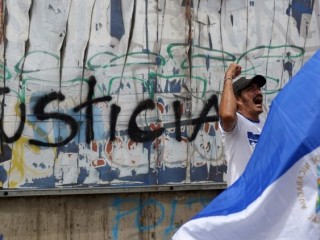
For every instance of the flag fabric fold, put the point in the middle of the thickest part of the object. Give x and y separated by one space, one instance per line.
278 195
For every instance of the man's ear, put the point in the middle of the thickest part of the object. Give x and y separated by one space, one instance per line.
238 100
238 97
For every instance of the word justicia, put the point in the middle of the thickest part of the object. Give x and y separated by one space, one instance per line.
134 132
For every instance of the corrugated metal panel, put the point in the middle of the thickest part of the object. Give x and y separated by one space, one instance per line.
92 91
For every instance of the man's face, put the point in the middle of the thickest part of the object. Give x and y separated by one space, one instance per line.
250 101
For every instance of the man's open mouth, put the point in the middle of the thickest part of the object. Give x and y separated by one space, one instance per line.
258 99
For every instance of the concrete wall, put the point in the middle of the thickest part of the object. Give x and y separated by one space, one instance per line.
134 216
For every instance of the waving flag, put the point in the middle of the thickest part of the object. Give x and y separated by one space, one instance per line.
278 195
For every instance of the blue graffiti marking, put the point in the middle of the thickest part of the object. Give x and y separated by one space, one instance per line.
117 26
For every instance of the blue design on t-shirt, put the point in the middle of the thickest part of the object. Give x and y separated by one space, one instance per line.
253 139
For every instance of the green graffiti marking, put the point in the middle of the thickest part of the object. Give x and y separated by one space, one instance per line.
208 56
299 54
7 75
159 60
18 69
112 60
92 66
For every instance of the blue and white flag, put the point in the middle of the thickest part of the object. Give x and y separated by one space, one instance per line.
278 195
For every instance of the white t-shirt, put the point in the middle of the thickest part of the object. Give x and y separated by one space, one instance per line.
239 145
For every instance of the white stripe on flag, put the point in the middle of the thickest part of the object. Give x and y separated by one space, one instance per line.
274 215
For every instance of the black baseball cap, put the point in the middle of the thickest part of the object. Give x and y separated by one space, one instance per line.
243 82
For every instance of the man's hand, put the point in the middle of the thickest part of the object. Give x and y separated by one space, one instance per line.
233 71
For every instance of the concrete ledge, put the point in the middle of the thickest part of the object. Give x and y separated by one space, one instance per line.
109 189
